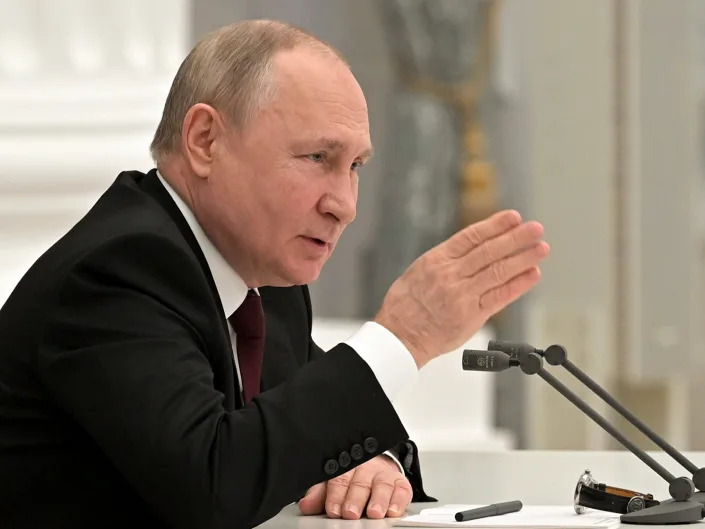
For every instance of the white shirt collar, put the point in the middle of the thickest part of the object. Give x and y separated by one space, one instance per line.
231 288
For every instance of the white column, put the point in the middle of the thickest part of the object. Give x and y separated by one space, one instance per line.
568 89
82 87
609 99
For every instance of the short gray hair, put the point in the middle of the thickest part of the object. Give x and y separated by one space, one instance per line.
231 70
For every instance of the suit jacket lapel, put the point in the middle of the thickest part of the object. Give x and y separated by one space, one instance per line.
280 359
287 338
151 185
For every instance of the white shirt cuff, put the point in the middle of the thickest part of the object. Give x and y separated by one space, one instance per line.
393 458
387 356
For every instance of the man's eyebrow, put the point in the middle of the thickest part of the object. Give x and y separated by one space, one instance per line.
367 154
336 145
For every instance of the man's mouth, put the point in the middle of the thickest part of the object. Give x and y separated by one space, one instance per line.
317 241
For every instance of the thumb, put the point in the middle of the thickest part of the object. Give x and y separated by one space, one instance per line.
314 501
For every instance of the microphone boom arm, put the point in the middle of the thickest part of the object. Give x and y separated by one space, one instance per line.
680 488
557 355
686 506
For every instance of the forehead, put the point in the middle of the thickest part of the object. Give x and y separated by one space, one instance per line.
316 93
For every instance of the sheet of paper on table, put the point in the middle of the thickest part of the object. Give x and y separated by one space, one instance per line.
534 516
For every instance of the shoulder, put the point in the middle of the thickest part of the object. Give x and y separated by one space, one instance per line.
125 235
123 219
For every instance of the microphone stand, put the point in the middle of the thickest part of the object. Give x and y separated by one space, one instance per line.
685 506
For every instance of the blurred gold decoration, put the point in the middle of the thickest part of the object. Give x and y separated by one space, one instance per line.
478 179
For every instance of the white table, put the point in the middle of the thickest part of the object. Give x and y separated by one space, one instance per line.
534 477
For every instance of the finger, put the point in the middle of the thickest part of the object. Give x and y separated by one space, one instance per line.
391 493
504 245
475 234
500 272
314 500
401 497
336 490
496 299
358 493
381 493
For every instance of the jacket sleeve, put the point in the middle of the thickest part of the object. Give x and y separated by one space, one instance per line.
405 452
120 356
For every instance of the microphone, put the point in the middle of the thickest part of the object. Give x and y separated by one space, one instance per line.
487 360
513 349
681 508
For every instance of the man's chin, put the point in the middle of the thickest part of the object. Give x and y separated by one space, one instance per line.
299 276
305 279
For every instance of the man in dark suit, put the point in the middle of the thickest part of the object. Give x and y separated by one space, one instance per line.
156 364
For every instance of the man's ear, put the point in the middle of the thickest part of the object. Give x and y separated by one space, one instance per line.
202 131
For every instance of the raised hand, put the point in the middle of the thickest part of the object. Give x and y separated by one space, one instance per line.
449 292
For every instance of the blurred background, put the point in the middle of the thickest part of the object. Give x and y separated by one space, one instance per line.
584 115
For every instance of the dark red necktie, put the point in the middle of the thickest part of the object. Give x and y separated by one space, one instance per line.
248 324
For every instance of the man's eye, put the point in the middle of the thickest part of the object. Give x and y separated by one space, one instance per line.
317 157
356 165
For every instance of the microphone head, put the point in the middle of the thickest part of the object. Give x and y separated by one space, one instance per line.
486 360
514 349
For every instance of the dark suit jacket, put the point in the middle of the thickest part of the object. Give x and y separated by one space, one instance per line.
119 402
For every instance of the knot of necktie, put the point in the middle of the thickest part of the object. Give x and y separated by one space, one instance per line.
248 319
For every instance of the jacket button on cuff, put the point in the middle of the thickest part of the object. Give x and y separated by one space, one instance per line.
356 452
344 459
331 467
371 445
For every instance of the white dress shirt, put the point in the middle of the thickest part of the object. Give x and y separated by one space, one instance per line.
390 360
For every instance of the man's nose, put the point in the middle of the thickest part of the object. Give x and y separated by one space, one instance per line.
340 201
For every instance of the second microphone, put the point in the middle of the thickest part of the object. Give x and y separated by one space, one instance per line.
474 360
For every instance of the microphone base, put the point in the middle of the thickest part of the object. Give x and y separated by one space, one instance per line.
699 497
666 513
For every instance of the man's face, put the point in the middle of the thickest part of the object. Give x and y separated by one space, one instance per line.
284 188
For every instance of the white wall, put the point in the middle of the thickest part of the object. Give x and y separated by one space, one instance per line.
604 114
83 84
